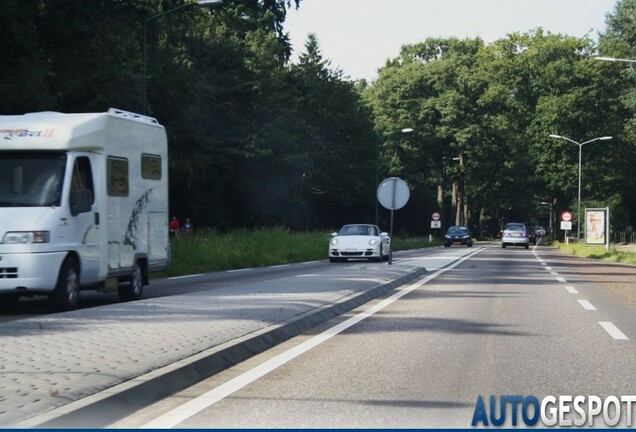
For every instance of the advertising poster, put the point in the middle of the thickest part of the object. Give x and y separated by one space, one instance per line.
595 226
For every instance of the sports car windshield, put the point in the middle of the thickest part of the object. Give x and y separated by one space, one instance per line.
31 179
348 230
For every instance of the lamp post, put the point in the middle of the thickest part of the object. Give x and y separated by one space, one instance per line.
377 169
145 50
614 59
578 216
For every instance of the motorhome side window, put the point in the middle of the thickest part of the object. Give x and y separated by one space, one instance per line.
117 174
83 177
150 167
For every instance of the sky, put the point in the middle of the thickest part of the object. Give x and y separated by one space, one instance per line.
358 36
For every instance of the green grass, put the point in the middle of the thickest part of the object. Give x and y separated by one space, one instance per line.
207 250
597 252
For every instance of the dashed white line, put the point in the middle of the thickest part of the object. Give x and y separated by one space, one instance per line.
562 280
587 305
571 290
613 330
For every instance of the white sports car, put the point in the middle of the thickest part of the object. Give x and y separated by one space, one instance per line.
359 241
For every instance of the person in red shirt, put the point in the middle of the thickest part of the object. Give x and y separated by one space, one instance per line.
174 226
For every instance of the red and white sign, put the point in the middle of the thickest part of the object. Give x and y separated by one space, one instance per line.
436 216
566 216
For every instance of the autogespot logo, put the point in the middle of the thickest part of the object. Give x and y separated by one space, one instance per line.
559 411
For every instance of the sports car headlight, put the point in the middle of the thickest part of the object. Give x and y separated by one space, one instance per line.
373 242
26 237
334 242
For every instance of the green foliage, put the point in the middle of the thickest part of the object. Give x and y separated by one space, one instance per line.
495 106
256 141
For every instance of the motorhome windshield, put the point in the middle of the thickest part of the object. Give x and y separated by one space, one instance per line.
31 179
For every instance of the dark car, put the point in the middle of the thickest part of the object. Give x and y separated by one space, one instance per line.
458 235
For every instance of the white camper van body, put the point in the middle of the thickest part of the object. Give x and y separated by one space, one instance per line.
83 204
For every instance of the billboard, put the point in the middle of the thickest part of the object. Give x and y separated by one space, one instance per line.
596 226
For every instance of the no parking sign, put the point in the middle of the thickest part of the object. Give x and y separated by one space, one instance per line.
566 221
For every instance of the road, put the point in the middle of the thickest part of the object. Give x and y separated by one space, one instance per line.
497 322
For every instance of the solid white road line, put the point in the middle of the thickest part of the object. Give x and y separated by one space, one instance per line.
192 407
185 277
613 330
238 270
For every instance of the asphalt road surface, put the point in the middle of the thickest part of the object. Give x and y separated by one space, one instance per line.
498 322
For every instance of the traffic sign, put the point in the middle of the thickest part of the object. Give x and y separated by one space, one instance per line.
393 193
566 216
436 216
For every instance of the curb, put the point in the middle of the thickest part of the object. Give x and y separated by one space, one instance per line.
105 407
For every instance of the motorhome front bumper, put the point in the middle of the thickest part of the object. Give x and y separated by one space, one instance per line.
29 272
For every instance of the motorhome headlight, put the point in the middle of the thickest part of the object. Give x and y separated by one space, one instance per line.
26 237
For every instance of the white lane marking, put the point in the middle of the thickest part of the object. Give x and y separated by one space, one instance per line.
185 277
548 268
587 305
544 263
613 330
192 407
571 290
238 270
280 265
562 280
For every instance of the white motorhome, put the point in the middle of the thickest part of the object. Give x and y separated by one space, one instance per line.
83 204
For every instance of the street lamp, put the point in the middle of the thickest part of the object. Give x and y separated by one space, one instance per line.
614 59
605 138
198 3
377 168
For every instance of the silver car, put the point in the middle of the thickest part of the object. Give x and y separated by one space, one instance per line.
515 234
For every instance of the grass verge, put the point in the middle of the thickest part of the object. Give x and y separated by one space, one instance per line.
207 250
597 252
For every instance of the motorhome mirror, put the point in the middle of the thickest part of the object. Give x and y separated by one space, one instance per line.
81 201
